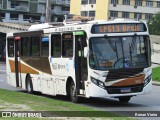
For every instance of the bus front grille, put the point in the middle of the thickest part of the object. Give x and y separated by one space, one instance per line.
123 90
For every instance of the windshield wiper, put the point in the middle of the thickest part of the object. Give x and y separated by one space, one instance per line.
109 41
111 45
133 43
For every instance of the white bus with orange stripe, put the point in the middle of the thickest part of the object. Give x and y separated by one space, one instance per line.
92 59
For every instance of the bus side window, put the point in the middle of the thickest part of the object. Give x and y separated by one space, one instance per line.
25 46
67 45
35 46
56 46
45 46
10 47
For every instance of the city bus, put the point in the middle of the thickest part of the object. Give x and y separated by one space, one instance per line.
82 59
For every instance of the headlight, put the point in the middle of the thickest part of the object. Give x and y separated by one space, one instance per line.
147 80
98 82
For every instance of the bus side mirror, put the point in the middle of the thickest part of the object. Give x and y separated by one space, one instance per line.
86 51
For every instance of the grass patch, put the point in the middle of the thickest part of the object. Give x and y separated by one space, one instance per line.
40 103
156 74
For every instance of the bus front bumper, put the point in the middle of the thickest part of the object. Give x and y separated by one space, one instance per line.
96 91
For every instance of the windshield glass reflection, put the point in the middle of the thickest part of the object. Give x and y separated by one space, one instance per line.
119 52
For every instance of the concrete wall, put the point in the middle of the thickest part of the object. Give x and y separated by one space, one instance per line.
155 48
12 27
156 53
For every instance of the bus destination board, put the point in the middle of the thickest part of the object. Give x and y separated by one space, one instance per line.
118 28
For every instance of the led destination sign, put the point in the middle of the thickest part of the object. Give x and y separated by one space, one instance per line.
119 28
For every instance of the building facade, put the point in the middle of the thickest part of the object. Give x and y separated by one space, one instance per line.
32 10
111 9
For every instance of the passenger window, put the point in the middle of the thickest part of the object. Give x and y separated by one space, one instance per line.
10 47
67 45
25 47
35 46
45 46
56 45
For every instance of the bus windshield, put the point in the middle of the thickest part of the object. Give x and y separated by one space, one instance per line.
124 52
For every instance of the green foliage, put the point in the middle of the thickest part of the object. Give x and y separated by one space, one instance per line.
154 24
156 74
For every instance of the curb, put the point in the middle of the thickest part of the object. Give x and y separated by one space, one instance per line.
3 63
155 83
2 71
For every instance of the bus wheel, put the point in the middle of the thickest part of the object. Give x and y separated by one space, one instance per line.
124 99
73 93
29 85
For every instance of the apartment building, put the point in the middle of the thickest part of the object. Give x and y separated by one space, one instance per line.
111 9
32 10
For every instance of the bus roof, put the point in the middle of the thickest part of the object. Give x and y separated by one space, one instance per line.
68 26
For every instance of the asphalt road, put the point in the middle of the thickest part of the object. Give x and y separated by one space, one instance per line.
3 79
148 103
4 85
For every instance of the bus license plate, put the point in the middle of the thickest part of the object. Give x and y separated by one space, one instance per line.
125 90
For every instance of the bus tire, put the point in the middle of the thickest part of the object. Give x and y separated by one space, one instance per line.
29 85
73 93
124 99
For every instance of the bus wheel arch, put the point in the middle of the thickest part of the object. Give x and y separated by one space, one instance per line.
68 83
71 90
29 84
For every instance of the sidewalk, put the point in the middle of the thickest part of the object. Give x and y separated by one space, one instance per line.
2 67
155 83
2 62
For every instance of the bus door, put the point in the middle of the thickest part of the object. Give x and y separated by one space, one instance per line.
80 60
17 61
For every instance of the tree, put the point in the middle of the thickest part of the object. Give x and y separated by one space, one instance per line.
154 24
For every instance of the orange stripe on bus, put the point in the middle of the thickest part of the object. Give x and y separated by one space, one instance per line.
130 81
22 68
